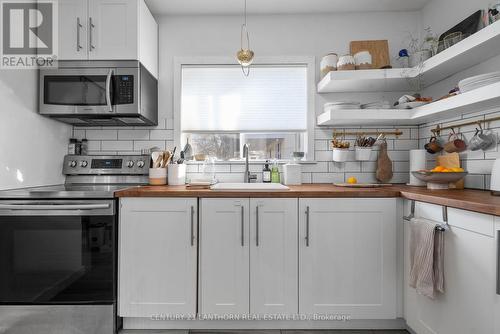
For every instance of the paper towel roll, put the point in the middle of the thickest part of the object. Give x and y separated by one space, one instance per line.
417 162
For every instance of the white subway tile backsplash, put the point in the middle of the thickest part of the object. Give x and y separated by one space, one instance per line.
133 134
117 145
161 134
327 177
147 144
102 134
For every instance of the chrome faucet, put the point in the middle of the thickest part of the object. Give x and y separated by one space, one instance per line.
249 178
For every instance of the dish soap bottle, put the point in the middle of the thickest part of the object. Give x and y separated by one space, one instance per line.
266 173
275 173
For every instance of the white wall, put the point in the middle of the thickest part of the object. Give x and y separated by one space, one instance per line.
31 146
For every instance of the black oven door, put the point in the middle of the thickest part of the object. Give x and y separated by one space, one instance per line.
56 253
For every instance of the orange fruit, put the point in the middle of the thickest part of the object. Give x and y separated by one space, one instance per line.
457 169
438 169
352 180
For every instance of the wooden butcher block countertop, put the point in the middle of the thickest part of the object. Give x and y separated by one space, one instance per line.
473 200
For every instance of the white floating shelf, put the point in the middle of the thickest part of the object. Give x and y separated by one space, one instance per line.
477 100
365 117
473 50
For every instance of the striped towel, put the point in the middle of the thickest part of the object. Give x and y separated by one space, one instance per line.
426 257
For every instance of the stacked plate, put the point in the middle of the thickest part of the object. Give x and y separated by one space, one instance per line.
341 105
478 81
377 105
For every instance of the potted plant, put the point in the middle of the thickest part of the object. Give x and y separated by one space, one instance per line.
340 149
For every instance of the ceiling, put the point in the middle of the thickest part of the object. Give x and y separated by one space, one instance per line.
229 7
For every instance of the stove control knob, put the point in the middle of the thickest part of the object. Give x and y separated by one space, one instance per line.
140 163
130 164
72 163
84 163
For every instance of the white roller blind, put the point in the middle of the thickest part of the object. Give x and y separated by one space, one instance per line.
220 98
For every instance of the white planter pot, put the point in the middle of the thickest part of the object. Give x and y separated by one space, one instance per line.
363 153
340 154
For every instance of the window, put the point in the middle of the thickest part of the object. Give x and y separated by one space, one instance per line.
221 110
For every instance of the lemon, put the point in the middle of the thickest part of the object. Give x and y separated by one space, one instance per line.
352 180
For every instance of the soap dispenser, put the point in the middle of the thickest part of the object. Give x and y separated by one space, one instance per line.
266 173
275 173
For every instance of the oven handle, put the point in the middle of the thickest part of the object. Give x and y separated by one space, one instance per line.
53 206
108 90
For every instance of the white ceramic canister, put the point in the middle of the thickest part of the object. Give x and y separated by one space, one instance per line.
292 174
363 60
176 174
329 63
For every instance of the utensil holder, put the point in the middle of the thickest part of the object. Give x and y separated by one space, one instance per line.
176 174
340 154
363 153
157 176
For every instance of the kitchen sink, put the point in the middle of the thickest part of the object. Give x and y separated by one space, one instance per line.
249 187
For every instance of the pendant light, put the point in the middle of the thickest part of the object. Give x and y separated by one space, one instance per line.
245 55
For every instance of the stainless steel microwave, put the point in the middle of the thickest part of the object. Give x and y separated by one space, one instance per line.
99 93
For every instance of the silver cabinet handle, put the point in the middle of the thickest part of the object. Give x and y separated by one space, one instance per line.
242 226
257 226
91 28
307 227
78 27
192 226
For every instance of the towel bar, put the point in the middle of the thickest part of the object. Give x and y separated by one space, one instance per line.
441 227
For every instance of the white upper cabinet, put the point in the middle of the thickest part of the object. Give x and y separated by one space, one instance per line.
224 256
470 265
157 256
273 256
73 17
347 257
108 30
113 30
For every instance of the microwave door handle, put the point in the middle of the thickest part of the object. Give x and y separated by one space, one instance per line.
108 91
53 206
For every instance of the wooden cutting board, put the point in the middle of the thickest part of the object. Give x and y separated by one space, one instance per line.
451 160
379 49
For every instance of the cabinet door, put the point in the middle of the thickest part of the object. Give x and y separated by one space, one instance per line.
347 259
157 256
273 256
497 264
224 256
113 29
73 29
467 306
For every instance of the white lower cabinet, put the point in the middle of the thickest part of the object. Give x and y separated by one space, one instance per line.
347 257
470 303
273 256
224 256
497 298
248 256
157 256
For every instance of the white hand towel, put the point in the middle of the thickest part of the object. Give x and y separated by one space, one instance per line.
426 257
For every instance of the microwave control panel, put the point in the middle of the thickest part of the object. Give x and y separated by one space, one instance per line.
125 87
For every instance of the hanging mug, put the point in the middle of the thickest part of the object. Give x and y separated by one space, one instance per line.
456 143
482 140
433 146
